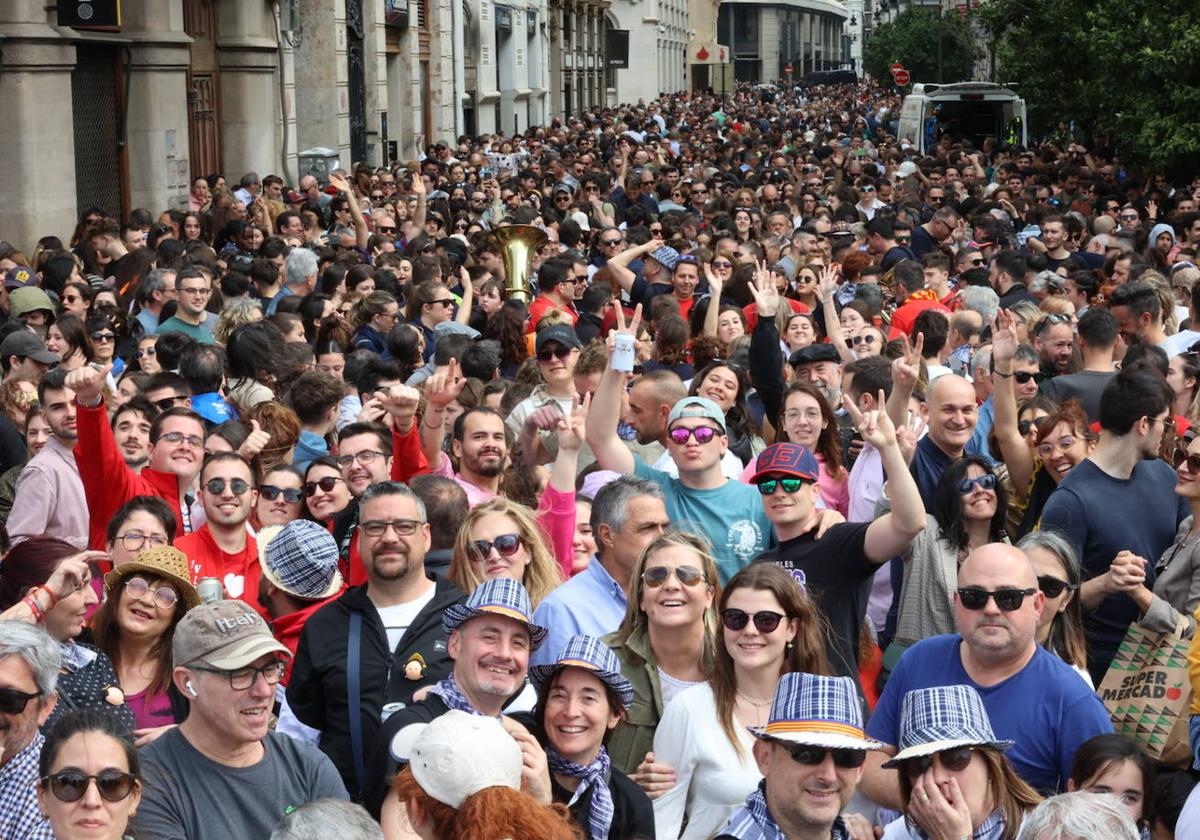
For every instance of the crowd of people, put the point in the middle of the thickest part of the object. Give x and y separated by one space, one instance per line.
806 487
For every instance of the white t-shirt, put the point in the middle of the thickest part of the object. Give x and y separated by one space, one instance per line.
396 619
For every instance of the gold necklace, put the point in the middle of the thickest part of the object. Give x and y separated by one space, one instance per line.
758 707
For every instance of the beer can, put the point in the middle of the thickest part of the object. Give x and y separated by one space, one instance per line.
210 589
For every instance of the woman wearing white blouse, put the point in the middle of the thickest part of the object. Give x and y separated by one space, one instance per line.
770 627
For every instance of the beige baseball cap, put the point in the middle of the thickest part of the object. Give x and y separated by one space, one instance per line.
223 634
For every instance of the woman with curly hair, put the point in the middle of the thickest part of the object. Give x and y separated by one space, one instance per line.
507 328
235 314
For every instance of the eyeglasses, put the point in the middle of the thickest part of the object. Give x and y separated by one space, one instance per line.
367 456
722 264
164 596
193 290
104 337
243 678
217 486
72 785
135 540
506 545
71 299
1168 422
270 492
1052 587
703 434
656 576
1008 599
13 702
954 760
325 485
402 527
609 243
765 621
867 338
176 438
767 487
1045 450
547 353
812 756
1129 217
148 351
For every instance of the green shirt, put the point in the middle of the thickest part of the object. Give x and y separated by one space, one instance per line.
202 333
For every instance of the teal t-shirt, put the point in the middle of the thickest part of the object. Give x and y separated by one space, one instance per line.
202 334
730 516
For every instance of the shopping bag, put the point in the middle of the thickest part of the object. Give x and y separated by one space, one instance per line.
1147 693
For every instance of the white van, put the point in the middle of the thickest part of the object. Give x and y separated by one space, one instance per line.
971 111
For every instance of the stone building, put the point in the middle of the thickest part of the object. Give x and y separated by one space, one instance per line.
658 39
767 35
127 116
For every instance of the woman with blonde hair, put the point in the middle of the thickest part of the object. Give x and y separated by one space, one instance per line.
770 627
501 538
237 313
666 643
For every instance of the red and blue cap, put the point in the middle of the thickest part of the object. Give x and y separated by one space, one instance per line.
787 459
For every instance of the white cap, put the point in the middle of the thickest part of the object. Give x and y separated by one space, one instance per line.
459 754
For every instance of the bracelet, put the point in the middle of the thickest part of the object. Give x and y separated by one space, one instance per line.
39 589
1008 375
34 607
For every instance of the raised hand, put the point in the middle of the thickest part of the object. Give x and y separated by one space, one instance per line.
829 281
906 369
766 295
875 426
634 322
418 184
255 442
570 429
1004 338
339 183
69 575
400 401
88 383
443 387
535 769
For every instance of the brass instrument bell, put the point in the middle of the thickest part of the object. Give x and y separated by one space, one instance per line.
518 244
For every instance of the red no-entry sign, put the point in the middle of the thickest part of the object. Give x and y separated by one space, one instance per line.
896 67
901 77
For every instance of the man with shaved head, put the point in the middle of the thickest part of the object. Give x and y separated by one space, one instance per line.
1032 697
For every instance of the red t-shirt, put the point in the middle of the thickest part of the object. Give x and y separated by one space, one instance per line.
904 317
239 573
541 306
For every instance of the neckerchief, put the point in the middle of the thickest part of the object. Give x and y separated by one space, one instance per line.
594 776
449 691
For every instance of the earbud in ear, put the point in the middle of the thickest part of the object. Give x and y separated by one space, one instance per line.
191 690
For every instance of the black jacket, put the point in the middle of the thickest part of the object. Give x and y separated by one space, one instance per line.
316 692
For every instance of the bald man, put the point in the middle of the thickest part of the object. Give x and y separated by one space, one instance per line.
952 415
1033 698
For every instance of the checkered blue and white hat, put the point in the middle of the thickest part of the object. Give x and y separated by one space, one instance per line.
816 711
498 596
301 558
942 718
590 654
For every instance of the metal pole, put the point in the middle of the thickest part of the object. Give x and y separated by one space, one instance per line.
941 24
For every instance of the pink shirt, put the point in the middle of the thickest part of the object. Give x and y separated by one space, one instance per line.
475 495
150 712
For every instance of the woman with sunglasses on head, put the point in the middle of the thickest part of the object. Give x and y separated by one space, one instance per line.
1060 629
969 505
89 783
280 497
666 644
1116 765
48 581
581 698
145 599
770 627
955 780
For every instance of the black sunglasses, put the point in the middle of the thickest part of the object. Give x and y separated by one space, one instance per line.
1052 587
987 481
167 402
71 785
506 545
216 486
290 494
1009 599
812 756
765 621
955 760
325 484
547 353
13 702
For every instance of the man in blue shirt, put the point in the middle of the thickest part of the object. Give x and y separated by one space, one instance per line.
626 515
1118 508
1032 697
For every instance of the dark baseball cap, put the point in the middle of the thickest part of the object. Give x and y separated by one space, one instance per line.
787 459
564 334
27 345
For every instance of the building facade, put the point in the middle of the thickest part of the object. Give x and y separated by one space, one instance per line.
184 88
658 39
766 37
